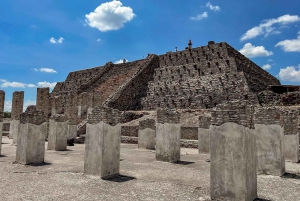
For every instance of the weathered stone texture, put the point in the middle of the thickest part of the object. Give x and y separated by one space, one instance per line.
71 108
17 104
2 101
168 129
31 138
30 109
147 123
232 163
268 122
105 114
240 112
168 116
42 100
189 133
146 134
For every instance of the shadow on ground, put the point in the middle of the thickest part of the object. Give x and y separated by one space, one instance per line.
120 178
290 176
184 162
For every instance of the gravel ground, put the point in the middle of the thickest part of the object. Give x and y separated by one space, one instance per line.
142 178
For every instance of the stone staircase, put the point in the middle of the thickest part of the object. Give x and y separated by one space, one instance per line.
118 91
116 94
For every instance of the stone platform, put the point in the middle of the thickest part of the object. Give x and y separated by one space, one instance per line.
144 178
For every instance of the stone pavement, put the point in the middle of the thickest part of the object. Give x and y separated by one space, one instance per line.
142 178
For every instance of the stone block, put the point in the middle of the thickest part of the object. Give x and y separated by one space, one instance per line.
31 138
72 131
58 135
1 127
79 111
232 163
146 134
203 140
146 138
270 149
168 142
291 148
14 130
102 149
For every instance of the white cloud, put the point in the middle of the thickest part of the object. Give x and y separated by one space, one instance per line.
290 73
109 16
290 45
6 83
98 40
270 60
48 70
120 61
7 105
199 16
46 84
211 7
255 51
55 41
31 85
45 70
266 27
267 67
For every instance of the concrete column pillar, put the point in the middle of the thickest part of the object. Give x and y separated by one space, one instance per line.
203 134
269 141
233 163
168 130
1 127
58 133
291 135
31 139
102 144
42 100
2 101
16 110
146 134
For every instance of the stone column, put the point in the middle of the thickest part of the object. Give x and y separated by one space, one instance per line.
291 136
269 141
42 100
232 163
233 160
146 134
31 139
90 102
82 104
58 133
56 105
16 110
203 134
2 101
72 113
102 144
168 130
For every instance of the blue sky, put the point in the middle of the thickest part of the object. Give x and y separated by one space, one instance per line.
42 41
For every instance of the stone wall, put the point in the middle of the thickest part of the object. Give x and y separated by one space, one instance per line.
197 78
2 102
42 100
189 133
257 78
131 131
170 116
239 112
268 116
130 94
270 98
17 104
35 117
105 114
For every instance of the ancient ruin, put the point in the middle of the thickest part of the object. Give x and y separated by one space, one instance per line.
212 98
